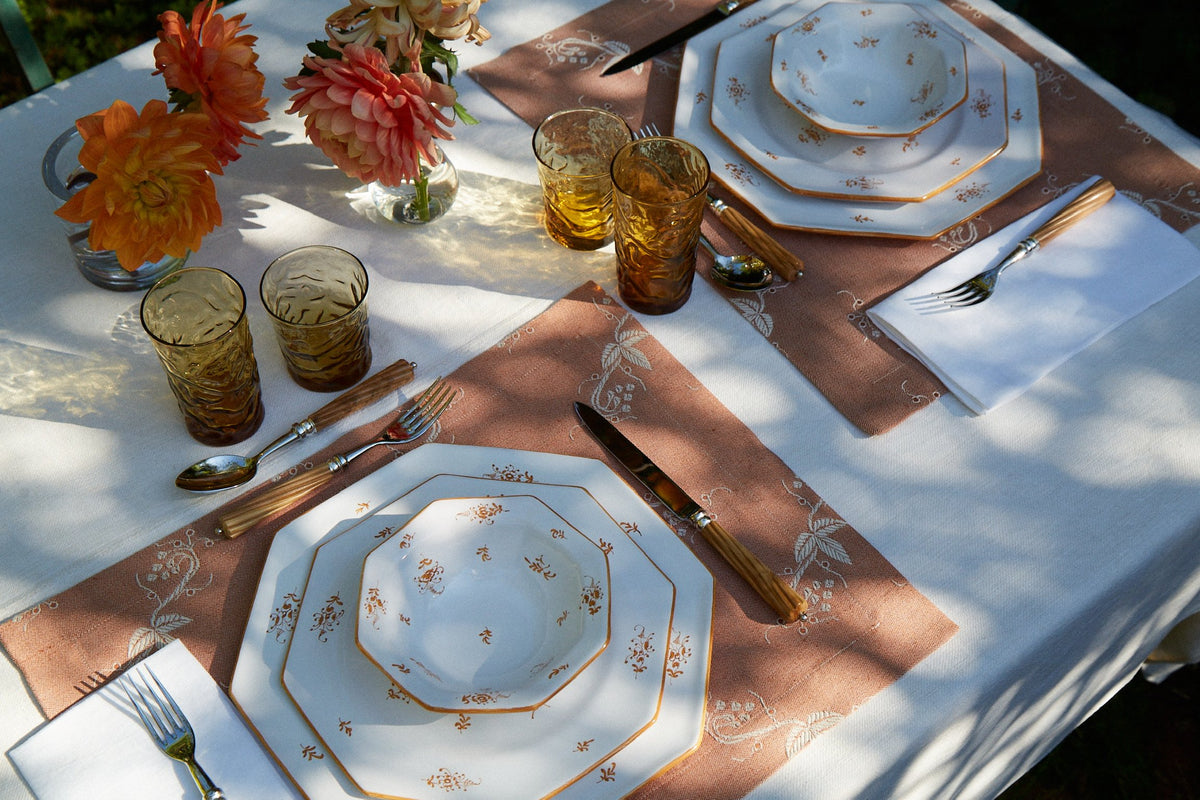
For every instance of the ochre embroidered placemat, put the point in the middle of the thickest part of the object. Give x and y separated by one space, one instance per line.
773 687
818 322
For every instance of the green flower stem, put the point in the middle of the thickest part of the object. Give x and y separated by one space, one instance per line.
421 202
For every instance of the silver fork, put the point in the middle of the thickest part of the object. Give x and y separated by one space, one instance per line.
649 129
410 426
982 286
167 725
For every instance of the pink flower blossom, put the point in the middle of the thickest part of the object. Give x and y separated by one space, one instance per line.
375 125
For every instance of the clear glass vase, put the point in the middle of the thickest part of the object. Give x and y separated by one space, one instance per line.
421 201
63 176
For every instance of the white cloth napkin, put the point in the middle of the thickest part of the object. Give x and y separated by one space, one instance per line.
98 750
1107 268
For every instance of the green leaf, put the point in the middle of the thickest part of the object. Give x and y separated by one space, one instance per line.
322 49
464 116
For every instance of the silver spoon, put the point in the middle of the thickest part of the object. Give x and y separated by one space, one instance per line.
225 471
744 273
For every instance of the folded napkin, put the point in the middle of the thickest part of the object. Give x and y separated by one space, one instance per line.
98 749
1107 268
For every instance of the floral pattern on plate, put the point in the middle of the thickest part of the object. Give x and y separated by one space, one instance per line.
275 620
877 69
1017 164
484 604
810 160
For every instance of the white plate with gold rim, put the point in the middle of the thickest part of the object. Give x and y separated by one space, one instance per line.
868 69
484 604
1017 164
275 616
807 159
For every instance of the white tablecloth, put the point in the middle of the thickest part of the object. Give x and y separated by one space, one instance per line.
1058 531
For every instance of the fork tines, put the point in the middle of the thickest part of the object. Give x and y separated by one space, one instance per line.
159 712
428 407
649 129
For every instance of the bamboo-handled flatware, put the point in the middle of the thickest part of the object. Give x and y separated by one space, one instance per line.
982 286
410 426
226 471
785 264
783 599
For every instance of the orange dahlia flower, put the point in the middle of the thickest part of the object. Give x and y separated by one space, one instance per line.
374 124
210 66
152 194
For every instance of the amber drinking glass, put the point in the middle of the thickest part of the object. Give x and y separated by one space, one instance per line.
317 298
196 318
574 150
658 202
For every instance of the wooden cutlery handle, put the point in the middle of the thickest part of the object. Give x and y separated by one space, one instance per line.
1099 194
785 600
234 523
786 265
365 393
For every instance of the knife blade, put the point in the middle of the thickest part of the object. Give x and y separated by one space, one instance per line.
666 42
783 599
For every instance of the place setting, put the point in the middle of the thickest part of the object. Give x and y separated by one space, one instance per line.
623 701
868 205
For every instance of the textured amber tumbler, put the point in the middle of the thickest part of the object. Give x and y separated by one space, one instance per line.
317 298
196 318
574 150
659 188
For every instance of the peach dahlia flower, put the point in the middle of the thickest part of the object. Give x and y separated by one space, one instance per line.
374 124
212 64
152 194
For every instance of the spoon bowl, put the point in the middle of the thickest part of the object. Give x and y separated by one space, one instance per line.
743 273
226 471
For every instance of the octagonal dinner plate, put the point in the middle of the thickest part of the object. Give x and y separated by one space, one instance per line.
807 159
484 604
869 69
1017 164
276 619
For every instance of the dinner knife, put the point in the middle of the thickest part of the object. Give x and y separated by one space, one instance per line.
721 12
785 600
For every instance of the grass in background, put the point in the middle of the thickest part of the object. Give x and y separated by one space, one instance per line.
76 34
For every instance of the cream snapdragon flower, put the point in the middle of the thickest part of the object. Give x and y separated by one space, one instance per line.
402 24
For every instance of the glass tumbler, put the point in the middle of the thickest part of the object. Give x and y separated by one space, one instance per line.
196 318
317 298
574 150
659 188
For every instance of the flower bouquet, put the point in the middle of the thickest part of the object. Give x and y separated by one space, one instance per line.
377 93
147 190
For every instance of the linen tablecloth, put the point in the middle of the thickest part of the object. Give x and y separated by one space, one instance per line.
773 688
1057 531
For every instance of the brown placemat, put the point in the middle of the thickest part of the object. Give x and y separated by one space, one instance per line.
772 688
818 322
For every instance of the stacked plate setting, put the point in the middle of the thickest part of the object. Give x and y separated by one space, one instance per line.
880 118
452 623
